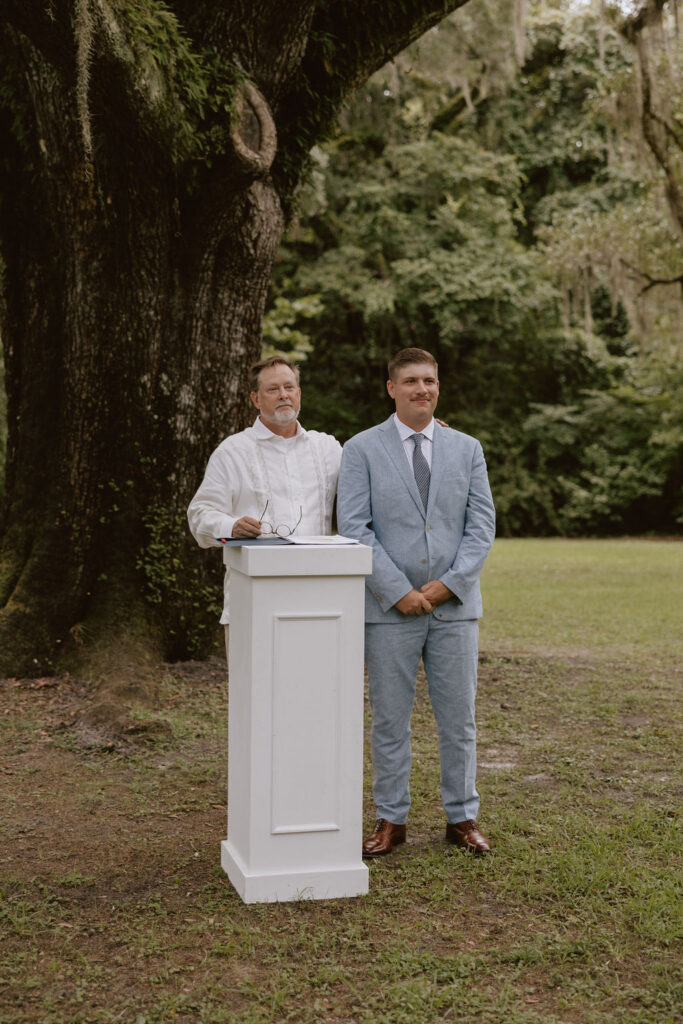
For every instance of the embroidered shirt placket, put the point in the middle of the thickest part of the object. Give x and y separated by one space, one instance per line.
320 478
259 464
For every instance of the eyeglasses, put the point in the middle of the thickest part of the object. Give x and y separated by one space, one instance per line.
281 530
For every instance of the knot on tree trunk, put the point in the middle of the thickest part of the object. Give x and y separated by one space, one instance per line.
253 132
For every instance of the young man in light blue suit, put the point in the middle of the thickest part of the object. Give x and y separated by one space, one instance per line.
418 494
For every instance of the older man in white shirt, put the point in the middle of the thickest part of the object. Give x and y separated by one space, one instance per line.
273 477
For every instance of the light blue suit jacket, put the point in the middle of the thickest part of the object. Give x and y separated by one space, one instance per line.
379 504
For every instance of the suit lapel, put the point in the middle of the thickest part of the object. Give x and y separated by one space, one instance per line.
393 445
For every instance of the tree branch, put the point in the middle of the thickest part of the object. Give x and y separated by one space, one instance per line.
649 14
669 130
253 131
348 41
302 57
658 134
367 35
652 281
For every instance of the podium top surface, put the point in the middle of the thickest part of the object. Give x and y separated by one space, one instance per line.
266 559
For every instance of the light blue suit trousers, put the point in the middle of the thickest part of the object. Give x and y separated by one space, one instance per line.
449 653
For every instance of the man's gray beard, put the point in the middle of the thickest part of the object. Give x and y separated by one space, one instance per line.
282 417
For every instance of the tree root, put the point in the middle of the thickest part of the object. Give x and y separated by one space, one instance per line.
107 725
124 674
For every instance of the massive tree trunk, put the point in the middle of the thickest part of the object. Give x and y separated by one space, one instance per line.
145 178
130 318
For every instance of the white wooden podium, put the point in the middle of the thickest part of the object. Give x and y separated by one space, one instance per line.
295 722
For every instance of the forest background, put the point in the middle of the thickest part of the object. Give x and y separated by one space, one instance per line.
491 196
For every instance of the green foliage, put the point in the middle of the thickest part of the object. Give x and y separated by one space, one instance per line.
437 266
189 598
428 251
494 215
613 461
281 336
188 92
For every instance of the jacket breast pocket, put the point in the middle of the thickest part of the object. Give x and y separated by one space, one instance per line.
389 498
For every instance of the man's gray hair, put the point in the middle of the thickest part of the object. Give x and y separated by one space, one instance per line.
265 364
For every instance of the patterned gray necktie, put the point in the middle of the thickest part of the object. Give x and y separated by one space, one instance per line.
420 468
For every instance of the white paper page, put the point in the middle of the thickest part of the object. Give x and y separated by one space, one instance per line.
320 539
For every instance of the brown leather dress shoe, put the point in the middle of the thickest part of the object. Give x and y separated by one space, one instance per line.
383 838
467 835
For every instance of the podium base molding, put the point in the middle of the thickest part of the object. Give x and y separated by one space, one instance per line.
334 882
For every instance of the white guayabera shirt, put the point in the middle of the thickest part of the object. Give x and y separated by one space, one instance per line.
296 476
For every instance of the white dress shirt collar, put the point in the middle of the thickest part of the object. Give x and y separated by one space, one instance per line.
264 433
405 431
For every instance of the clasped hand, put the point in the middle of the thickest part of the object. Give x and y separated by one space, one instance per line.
424 600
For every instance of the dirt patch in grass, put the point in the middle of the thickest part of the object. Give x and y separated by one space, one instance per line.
114 906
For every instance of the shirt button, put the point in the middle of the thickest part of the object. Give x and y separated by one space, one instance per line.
427 527
424 561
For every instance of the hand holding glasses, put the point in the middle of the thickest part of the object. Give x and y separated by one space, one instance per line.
281 530
249 528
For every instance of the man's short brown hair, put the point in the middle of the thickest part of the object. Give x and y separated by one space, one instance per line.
265 364
411 355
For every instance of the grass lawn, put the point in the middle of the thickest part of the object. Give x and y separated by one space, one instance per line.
620 598
113 906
